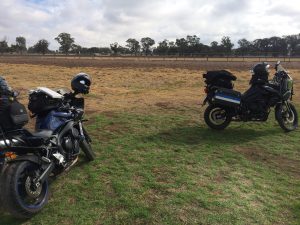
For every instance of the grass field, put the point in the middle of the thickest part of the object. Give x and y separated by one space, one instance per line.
157 162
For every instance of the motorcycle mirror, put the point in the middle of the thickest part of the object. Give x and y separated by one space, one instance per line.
276 65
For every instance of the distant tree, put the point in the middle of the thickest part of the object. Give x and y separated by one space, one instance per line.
21 44
215 47
182 45
172 48
93 50
226 44
147 43
194 44
104 50
192 40
41 46
76 49
123 50
133 45
114 48
278 46
162 48
245 46
244 43
293 41
4 46
13 48
66 42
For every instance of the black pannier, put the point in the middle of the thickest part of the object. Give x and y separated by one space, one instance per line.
40 102
219 78
13 115
227 97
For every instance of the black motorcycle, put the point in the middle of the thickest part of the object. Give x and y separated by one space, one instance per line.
226 105
30 159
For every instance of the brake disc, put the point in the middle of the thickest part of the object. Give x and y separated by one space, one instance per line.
30 188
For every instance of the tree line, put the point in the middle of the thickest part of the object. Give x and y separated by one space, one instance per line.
288 45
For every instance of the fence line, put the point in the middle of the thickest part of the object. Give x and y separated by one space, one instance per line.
198 57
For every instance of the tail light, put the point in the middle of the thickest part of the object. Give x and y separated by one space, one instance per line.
206 90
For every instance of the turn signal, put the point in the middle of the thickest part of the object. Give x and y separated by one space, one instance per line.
10 155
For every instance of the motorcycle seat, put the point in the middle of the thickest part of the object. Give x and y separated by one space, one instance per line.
45 134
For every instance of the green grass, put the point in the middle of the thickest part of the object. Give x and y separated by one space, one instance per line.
165 168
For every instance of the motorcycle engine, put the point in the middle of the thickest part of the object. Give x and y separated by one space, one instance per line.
71 146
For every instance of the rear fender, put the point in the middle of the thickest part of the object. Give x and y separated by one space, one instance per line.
208 98
32 158
205 101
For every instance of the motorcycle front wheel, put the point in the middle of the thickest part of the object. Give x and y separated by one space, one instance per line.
21 197
216 117
88 151
287 117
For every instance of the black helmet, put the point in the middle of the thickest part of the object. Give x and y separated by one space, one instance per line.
261 69
81 83
260 73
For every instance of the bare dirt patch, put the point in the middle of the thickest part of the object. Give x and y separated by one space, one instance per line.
284 164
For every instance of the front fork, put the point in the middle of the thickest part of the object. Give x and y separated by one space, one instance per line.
82 136
286 103
279 107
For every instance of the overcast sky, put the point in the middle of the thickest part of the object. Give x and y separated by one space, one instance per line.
101 22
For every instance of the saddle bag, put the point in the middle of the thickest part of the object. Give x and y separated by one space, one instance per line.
227 97
13 115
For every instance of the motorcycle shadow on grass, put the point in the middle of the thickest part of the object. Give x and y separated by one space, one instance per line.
9 220
194 135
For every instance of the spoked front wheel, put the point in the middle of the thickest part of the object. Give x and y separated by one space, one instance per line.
216 117
287 116
21 197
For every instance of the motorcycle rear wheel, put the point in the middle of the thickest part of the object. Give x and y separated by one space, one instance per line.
287 120
216 117
2 168
20 197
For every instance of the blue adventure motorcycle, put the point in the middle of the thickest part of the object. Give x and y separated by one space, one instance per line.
30 159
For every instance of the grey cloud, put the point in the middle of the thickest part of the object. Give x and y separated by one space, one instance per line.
100 22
